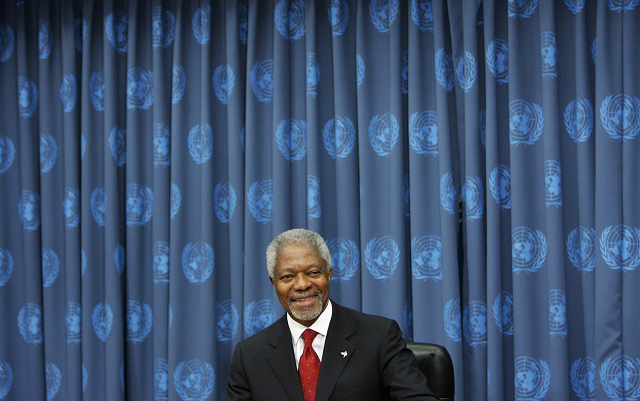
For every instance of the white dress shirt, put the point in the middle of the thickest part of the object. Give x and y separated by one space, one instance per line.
321 325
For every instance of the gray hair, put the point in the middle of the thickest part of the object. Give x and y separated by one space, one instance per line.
297 235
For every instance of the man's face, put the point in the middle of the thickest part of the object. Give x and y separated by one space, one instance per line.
301 282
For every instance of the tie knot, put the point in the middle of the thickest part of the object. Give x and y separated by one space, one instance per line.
308 335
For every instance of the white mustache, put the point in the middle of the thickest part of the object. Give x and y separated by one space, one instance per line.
303 295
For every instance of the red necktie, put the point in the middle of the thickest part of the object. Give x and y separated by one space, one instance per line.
309 366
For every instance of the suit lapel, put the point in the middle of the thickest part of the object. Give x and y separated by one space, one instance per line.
336 354
282 360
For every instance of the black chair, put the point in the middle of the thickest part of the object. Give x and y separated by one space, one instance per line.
435 362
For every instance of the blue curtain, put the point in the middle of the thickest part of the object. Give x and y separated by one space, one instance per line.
473 166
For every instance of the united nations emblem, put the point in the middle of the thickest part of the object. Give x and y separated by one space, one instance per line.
139 321
313 74
224 199
426 258
176 200
71 207
262 80
578 119
339 137
163 24
161 252
119 258
382 256
620 116
581 248
384 132
497 56
223 82
345 258
529 249
53 380
549 51
27 97
583 378
200 143
552 183
178 83
258 315
161 145
338 16
448 194
289 19
45 39
227 320
160 380
197 261
139 89
453 319
96 90
525 122
314 198
102 320
6 379
522 8
7 42
423 132
116 28
194 380
473 196
557 313
50 267
73 323
619 247
260 200
139 204
503 313
474 327
48 152
99 205
68 92
291 136
360 69
622 5
30 323
500 186
467 70
117 145
7 154
6 266
620 378
444 69
29 209
383 13
422 14
201 24
532 379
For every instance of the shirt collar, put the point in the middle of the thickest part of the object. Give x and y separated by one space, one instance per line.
321 325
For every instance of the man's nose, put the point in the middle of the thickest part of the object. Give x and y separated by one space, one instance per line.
302 282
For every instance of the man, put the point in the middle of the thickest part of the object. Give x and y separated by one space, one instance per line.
347 355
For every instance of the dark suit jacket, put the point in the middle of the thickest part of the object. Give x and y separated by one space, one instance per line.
377 366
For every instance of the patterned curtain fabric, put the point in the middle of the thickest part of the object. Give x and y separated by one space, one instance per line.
472 164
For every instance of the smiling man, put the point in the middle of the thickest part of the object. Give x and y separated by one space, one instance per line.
320 350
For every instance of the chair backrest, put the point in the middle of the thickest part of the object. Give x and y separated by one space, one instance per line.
435 362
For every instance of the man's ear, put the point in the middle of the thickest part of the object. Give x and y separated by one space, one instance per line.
273 282
330 274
